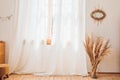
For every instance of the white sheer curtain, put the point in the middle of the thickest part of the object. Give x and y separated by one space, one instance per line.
66 54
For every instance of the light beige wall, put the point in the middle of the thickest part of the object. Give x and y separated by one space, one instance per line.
110 28
6 26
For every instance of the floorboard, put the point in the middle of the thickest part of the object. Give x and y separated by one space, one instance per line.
34 77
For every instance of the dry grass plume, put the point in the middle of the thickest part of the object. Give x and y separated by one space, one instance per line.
96 48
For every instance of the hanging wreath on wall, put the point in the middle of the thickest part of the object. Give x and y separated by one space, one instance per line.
98 15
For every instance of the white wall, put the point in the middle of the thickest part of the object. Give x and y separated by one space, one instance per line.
110 29
6 9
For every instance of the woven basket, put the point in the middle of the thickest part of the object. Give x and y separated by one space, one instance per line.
2 52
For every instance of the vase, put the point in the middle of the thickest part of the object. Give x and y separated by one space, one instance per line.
93 73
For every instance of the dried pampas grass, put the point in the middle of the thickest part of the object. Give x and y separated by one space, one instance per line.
96 48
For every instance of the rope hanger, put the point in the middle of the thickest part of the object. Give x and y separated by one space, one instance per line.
49 35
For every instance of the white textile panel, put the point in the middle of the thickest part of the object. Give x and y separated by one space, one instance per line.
66 54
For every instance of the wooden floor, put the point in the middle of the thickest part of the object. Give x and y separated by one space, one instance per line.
33 77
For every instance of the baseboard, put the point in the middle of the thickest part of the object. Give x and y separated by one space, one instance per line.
107 72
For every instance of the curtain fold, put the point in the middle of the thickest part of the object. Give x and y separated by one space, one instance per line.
66 54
